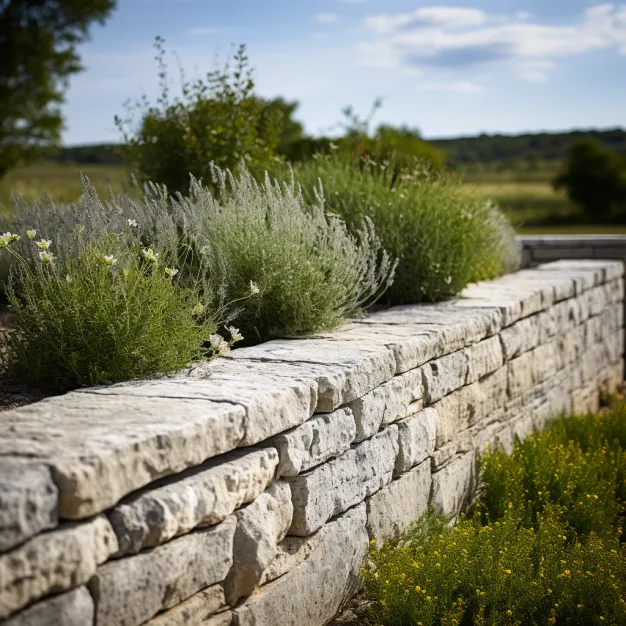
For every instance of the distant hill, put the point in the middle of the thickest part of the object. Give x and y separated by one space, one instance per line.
491 149
483 149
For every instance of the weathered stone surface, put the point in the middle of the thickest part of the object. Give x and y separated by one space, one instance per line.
404 396
368 412
457 411
483 358
324 436
73 608
444 375
453 485
315 590
54 561
197 611
260 527
395 507
102 447
28 501
221 619
131 590
202 496
332 488
346 370
416 439
274 400
520 337
545 362
520 374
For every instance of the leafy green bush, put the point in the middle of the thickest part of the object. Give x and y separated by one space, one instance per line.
217 120
96 318
545 544
443 237
309 272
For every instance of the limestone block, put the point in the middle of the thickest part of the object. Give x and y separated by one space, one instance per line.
614 291
444 375
404 395
545 362
456 411
324 436
274 400
611 378
197 611
102 447
260 527
335 486
614 346
395 507
53 562
453 485
28 501
522 426
520 337
483 358
202 496
73 608
586 399
493 389
416 439
345 369
130 591
587 272
596 300
315 590
291 552
571 345
368 412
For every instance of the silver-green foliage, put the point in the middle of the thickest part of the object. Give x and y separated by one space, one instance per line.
443 237
311 273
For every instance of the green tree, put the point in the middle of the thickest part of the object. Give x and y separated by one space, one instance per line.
595 179
38 40
217 120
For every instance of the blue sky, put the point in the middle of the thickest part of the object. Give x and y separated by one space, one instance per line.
453 68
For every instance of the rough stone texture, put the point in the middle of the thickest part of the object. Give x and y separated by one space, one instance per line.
346 370
444 375
197 611
453 485
520 337
272 402
520 374
416 439
102 447
483 358
28 501
131 590
395 507
457 411
73 608
332 488
545 362
54 561
368 412
315 590
404 396
201 496
260 527
322 437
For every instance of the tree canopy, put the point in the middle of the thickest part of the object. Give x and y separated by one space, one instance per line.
38 40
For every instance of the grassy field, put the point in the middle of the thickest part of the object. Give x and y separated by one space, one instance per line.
526 196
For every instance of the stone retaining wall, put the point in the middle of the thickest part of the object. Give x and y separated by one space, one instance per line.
538 249
246 491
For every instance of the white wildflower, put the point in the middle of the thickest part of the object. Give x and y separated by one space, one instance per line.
254 288
68 278
132 223
171 272
198 309
150 255
46 257
448 280
31 234
110 259
234 333
205 250
44 244
219 344
7 239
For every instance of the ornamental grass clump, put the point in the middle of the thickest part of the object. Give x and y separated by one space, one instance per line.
102 311
309 273
443 237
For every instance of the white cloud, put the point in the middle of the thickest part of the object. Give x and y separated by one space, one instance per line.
455 38
461 86
444 17
327 18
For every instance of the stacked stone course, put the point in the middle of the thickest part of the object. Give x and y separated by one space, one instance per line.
246 491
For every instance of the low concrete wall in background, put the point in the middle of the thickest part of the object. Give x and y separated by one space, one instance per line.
537 249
